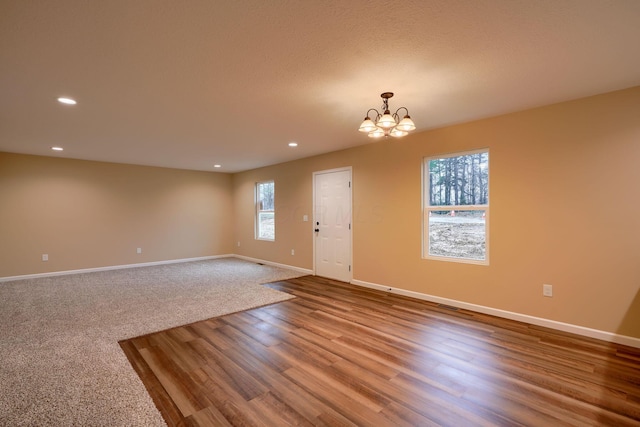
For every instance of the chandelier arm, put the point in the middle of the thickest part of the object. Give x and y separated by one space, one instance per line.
377 114
402 108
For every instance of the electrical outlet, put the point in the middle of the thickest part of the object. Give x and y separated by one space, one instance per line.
45 257
139 250
293 251
305 218
547 290
238 243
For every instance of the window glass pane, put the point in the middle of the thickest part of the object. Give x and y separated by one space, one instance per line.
459 180
266 225
457 234
265 195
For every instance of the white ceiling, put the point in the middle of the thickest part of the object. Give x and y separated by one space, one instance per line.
191 83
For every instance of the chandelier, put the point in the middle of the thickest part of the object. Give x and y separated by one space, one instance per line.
386 124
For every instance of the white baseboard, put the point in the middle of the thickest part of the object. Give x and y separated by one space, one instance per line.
110 267
275 264
566 327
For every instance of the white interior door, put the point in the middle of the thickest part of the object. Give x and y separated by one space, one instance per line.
332 224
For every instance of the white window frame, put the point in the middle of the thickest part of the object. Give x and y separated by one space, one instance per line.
260 212
427 209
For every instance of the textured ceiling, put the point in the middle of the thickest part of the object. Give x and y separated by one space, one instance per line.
191 83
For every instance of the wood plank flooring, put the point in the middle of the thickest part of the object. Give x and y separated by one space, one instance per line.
341 355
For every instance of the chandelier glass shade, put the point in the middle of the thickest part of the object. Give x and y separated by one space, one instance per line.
385 123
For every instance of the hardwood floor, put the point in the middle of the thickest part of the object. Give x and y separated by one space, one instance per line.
341 355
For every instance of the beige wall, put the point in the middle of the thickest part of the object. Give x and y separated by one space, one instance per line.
87 214
564 211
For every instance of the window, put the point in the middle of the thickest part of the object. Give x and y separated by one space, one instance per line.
265 211
456 207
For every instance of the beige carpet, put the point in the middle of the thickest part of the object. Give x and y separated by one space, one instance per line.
60 362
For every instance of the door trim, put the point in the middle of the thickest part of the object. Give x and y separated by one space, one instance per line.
313 238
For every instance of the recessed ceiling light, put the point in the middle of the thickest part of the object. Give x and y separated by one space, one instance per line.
293 144
57 148
217 166
67 101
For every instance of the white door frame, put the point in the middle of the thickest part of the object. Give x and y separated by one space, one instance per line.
315 174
